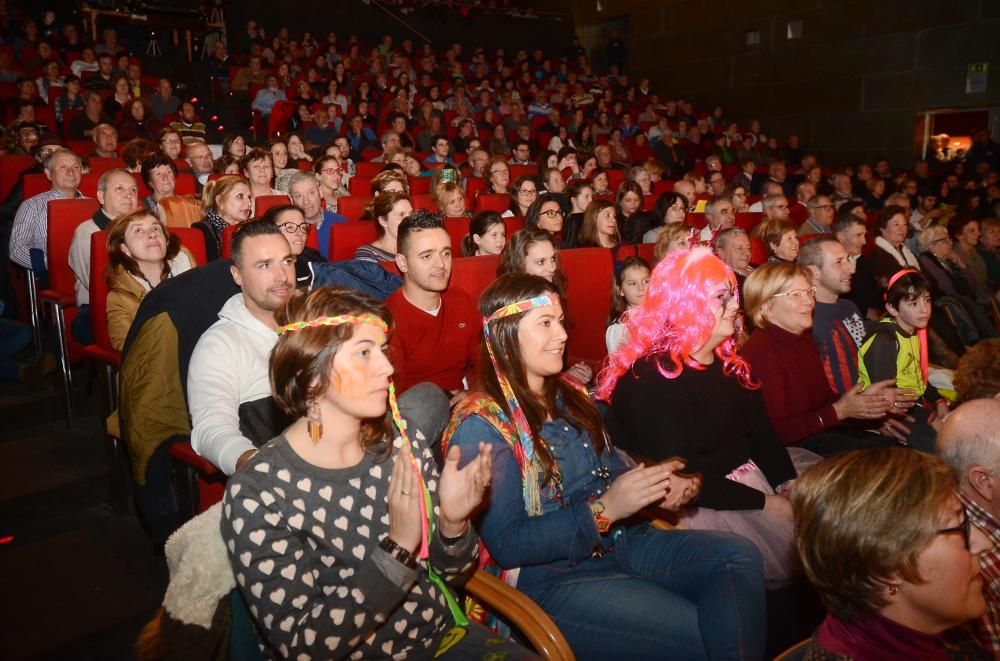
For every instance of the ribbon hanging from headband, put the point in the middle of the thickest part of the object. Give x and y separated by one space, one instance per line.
524 449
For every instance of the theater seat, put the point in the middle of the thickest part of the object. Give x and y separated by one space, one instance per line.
419 185
458 229
498 202
474 274
35 184
696 220
588 293
748 221
529 170
352 207
11 166
367 170
359 186
425 201
262 204
758 251
345 238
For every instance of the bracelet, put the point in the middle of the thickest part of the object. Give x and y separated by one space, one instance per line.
602 522
451 541
396 551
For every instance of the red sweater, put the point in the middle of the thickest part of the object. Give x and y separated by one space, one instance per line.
797 394
441 349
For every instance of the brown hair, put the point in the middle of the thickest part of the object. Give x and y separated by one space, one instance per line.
771 232
864 516
559 399
668 234
978 373
116 241
381 207
442 190
589 236
301 361
255 154
380 181
516 252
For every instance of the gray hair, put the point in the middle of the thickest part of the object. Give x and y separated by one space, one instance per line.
931 234
102 183
811 253
300 177
970 437
772 201
723 237
817 201
62 151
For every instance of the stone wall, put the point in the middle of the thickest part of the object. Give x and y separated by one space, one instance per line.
851 86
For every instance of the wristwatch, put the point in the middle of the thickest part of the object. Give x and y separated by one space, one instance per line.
398 552
603 522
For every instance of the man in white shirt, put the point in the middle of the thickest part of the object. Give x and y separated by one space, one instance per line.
228 385
118 194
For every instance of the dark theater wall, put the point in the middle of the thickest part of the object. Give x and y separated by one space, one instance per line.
851 86
440 25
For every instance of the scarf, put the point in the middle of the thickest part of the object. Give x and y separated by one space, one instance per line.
218 226
877 637
904 256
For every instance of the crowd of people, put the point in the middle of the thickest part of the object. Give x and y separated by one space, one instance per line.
776 386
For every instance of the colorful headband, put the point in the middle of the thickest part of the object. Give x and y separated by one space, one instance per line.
921 333
522 306
340 319
524 449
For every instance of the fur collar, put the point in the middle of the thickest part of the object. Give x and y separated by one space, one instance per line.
200 573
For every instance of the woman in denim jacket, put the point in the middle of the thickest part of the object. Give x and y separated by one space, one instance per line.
559 522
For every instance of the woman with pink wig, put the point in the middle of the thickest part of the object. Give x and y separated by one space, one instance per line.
679 388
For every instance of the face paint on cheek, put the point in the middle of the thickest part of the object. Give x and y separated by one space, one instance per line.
352 383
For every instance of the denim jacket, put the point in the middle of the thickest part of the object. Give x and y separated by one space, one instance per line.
565 535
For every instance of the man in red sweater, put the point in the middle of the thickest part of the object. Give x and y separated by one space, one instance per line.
437 329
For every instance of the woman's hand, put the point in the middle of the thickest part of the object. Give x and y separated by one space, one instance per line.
635 489
683 488
871 404
941 411
581 372
405 526
462 491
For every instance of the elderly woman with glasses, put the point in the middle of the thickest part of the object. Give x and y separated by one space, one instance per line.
785 361
682 355
886 542
296 230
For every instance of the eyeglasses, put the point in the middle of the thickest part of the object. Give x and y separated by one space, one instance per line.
527 191
330 170
551 213
801 295
501 171
295 228
963 527
943 239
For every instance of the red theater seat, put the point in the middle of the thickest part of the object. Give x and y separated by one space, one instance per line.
352 207
345 238
498 202
457 228
10 168
262 204
588 293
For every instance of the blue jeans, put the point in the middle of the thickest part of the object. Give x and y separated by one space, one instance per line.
14 338
662 594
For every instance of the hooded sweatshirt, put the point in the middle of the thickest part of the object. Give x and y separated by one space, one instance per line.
228 370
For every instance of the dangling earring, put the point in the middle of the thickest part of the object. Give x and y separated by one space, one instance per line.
313 422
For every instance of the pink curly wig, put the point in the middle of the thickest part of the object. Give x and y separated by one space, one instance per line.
676 319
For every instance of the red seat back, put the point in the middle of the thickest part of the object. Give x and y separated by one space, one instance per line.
36 184
517 171
513 224
696 220
474 186
758 251
101 164
360 186
193 240
615 178
588 293
458 229
186 184
474 274
352 207
99 288
10 168
227 242
345 238
748 221
88 184
419 185
64 217
498 202
367 170
423 202
262 204
661 187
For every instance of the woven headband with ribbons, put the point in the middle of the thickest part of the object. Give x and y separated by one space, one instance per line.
427 523
921 332
524 449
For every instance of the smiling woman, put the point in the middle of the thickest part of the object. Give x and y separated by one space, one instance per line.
226 201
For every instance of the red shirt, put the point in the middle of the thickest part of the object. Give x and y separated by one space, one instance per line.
798 397
441 349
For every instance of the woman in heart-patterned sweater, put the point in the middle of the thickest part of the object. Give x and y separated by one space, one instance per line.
343 541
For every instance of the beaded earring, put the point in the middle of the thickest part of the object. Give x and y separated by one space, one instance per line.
314 422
